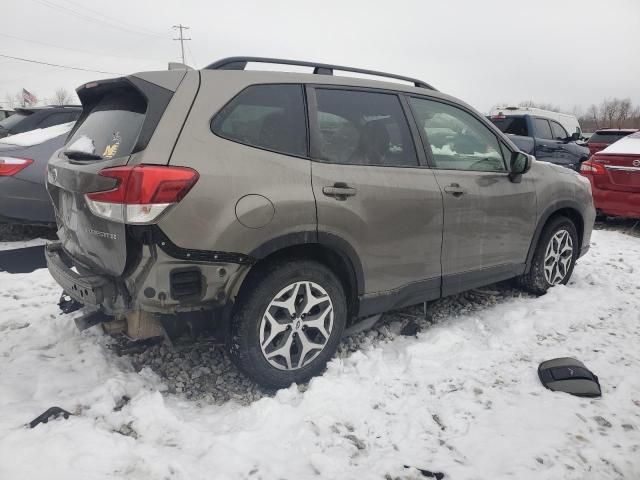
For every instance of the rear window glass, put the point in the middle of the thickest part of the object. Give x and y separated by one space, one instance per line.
112 127
512 125
608 137
10 122
266 116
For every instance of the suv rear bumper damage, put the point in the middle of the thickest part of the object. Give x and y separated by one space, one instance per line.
159 284
90 290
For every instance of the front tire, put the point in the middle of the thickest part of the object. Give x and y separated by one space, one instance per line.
554 258
288 323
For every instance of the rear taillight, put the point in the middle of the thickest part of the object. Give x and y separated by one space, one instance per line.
142 193
9 166
592 168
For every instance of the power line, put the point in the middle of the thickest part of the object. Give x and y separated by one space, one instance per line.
100 21
182 39
193 57
117 20
76 49
57 65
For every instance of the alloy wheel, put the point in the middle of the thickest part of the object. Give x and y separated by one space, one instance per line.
296 325
558 257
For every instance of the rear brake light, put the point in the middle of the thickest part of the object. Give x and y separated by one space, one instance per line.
592 168
9 166
498 117
142 193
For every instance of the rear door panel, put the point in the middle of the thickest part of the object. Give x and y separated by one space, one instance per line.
394 221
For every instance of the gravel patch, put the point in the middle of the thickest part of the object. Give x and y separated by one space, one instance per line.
200 370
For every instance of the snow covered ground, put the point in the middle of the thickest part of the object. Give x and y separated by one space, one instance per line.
461 398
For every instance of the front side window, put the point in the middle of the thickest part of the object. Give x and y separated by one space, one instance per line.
559 133
363 128
543 130
266 116
458 141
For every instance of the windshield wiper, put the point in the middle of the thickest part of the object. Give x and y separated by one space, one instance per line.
80 155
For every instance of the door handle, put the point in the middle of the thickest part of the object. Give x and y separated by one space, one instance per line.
339 191
454 189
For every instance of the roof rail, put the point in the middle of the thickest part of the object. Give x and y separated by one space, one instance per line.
240 63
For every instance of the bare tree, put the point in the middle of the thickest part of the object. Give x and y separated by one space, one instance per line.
608 111
624 109
9 101
592 114
61 96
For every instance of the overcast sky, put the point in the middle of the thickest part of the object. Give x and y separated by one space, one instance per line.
563 52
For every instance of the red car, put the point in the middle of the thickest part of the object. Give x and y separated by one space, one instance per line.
605 137
614 174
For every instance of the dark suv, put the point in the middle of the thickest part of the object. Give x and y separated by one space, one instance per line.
29 118
286 205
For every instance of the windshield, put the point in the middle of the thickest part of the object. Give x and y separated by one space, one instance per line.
9 122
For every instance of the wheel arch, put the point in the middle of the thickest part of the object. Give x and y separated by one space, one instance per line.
568 209
330 250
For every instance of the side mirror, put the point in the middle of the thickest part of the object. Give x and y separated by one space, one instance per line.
575 136
520 164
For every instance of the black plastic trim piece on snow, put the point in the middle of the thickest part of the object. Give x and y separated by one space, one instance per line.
53 412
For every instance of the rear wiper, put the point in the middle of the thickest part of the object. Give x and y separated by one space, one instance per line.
80 155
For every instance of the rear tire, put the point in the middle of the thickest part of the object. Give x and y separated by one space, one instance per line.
288 322
554 258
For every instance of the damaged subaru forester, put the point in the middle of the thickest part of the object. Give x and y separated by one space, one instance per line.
285 206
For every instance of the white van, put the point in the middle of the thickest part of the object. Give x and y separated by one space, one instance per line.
569 122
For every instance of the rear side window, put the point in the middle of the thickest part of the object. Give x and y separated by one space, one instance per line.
362 128
112 127
543 130
559 133
512 125
266 116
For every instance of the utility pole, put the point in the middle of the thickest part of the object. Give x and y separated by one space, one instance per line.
182 39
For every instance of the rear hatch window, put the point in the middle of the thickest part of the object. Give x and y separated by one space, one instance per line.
110 128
